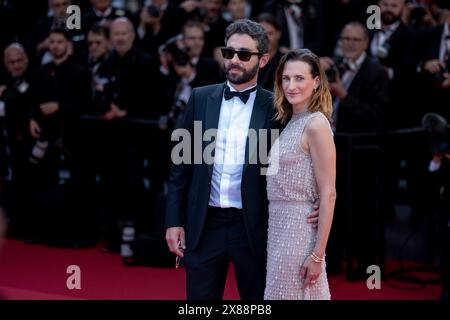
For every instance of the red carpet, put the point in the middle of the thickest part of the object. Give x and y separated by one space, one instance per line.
37 272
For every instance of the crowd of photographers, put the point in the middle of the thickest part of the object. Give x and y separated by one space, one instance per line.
86 114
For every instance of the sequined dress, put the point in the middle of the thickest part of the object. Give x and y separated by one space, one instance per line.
291 193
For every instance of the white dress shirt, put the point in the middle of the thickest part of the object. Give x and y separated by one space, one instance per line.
347 79
380 38
445 43
229 158
295 30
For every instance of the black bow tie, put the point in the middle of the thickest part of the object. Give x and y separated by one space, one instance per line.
243 95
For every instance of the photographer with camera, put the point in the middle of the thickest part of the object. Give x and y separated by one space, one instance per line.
62 91
209 13
102 13
158 21
302 23
358 83
419 14
392 45
359 86
434 67
179 82
436 191
128 93
184 68
16 99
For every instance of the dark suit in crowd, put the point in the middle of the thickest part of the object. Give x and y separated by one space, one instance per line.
54 176
311 21
172 18
92 17
128 85
266 75
428 48
42 31
363 109
15 146
400 59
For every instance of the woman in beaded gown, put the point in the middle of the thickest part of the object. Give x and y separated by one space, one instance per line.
302 170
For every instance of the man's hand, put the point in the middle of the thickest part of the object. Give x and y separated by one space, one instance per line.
433 66
144 17
337 89
446 83
190 5
43 45
114 113
326 63
35 129
2 89
49 108
313 217
174 237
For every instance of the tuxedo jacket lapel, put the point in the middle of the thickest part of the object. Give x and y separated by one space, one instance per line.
257 121
212 113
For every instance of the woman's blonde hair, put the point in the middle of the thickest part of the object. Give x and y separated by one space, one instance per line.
321 98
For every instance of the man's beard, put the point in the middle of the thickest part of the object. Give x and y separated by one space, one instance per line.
389 18
246 76
61 55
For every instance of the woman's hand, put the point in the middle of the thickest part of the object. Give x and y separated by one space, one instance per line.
310 272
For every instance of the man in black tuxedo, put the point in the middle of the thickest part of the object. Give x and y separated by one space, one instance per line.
157 23
360 84
302 23
392 45
217 211
126 75
62 92
16 100
103 13
433 54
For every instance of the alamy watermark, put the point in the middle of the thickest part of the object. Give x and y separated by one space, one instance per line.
200 147
73 20
73 282
374 280
374 21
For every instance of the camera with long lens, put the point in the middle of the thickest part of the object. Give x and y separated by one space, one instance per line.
417 14
153 11
178 54
332 73
338 69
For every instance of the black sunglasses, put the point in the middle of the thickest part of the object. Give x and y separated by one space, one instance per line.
243 55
